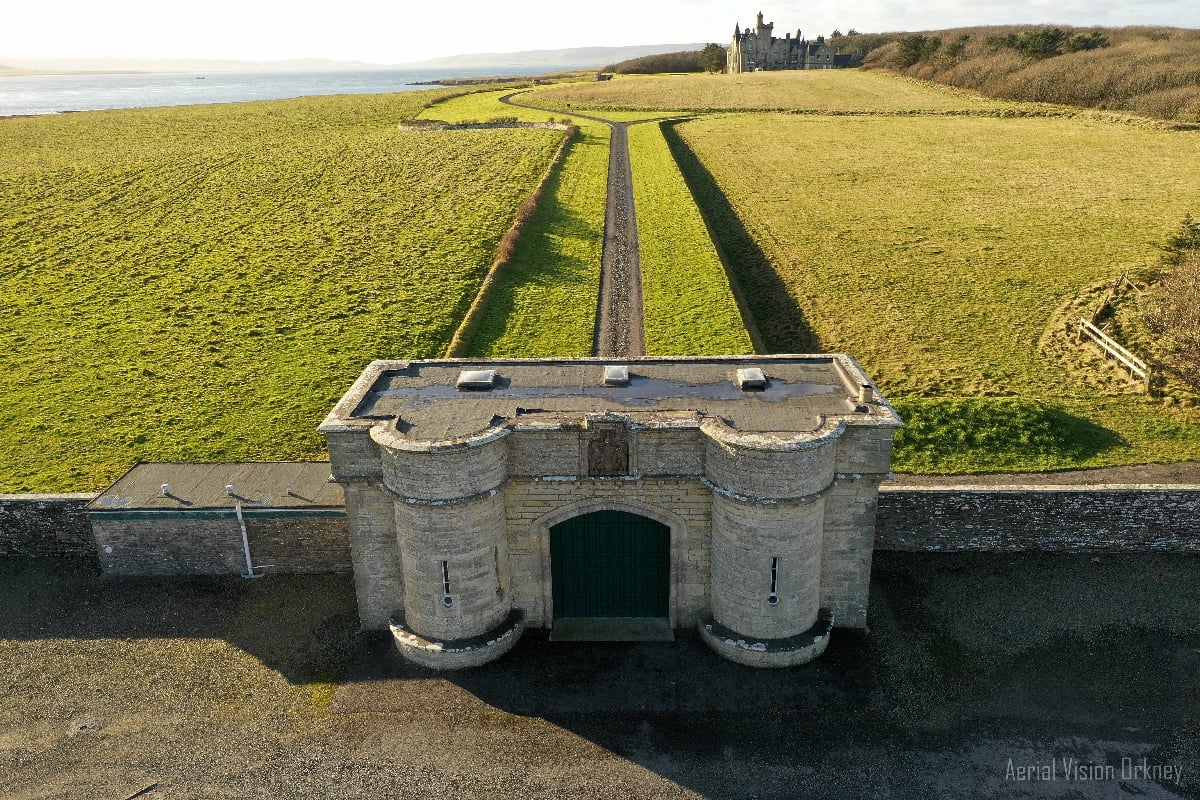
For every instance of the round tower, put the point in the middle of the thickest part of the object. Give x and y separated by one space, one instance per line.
450 530
768 519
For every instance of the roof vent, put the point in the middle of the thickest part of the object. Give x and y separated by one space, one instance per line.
615 375
751 379
476 379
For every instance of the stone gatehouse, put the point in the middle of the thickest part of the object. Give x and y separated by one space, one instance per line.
733 494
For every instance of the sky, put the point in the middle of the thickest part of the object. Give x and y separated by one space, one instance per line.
398 31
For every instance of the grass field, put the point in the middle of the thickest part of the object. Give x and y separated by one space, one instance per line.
689 308
204 282
936 250
544 302
546 296
837 91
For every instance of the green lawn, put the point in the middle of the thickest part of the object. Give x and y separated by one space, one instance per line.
689 306
202 283
544 300
936 251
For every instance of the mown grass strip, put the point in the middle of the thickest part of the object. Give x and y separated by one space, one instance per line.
463 337
543 303
209 288
689 308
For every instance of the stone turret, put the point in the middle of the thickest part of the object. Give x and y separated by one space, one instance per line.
768 535
764 28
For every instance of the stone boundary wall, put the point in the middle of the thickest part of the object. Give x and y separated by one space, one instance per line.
46 526
1134 518
437 125
210 543
1062 519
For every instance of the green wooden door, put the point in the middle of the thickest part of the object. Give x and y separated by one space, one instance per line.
610 564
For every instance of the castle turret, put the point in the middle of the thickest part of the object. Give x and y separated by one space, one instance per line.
456 610
765 28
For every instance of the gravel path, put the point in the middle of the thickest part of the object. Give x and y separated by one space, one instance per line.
619 329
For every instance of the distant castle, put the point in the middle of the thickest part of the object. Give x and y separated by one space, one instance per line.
757 50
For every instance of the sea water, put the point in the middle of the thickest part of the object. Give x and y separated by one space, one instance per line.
50 94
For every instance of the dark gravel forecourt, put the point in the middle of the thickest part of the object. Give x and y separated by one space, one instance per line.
224 688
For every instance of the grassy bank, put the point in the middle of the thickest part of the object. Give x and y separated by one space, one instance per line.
1153 71
204 282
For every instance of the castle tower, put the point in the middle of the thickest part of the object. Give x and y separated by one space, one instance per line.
764 28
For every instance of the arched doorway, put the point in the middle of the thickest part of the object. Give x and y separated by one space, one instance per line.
610 564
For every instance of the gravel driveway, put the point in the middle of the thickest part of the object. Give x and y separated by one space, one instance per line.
978 670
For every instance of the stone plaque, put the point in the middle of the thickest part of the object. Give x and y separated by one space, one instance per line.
608 449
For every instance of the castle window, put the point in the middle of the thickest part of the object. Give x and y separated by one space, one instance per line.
496 564
447 600
773 597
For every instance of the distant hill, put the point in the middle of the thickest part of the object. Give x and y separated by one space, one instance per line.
549 59
1153 71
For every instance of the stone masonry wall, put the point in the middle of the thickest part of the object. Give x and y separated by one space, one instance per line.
46 526
211 544
849 541
1057 519
534 506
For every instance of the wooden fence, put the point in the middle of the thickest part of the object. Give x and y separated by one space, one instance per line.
1137 367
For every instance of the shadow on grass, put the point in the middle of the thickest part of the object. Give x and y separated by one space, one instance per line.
549 295
994 434
780 321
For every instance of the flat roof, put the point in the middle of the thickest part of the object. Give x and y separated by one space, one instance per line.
425 402
192 487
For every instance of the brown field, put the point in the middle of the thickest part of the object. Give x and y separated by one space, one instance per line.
1154 71
842 91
